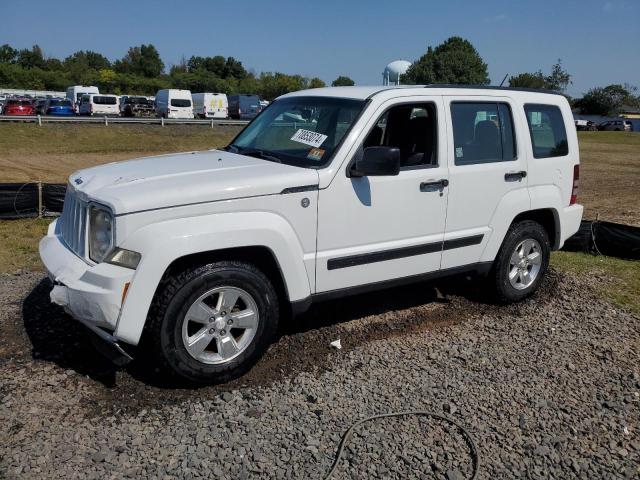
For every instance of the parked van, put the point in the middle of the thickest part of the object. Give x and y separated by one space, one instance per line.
210 105
75 92
172 103
101 105
244 106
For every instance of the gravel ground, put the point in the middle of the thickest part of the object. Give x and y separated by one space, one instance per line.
549 389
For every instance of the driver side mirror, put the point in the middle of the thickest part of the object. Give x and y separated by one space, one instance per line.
377 161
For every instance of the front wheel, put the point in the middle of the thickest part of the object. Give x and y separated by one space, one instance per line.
211 324
521 262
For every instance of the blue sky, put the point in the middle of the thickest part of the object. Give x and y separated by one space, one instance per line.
598 41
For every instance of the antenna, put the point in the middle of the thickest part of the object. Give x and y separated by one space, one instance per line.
505 77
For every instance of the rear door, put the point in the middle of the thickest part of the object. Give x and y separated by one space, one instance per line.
487 173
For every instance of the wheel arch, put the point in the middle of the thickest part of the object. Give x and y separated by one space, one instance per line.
548 218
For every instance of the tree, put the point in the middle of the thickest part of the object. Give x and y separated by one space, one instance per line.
604 101
557 80
8 54
33 58
456 61
342 81
315 82
528 80
143 60
87 59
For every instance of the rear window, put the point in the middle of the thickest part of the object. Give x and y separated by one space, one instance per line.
60 103
546 127
179 102
104 100
137 100
19 102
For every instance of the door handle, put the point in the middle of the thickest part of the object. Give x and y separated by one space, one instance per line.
514 176
434 185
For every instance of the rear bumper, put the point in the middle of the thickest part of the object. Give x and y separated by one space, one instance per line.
570 222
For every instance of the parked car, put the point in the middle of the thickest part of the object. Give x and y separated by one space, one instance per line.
101 105
616 125
76 92
210 105
172 103
198 254
18 107
39 106
59 106
586 125
137 106
244 106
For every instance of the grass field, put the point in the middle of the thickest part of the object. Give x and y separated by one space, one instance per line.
610 183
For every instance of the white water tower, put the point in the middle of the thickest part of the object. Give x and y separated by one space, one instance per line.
392 72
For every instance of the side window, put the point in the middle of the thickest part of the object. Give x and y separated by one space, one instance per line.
412 129
482 133
546 126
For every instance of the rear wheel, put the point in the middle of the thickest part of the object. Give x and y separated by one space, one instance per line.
521 262
211 324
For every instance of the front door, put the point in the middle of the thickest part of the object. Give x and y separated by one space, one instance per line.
379 228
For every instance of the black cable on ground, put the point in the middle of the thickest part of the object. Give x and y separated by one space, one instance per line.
475 459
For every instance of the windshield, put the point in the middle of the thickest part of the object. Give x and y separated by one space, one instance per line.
300 131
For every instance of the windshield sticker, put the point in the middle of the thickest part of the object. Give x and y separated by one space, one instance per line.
308 137
315 154
458 152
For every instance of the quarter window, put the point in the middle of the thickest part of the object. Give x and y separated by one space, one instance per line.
482 133
548 134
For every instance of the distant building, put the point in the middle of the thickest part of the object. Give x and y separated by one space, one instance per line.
393 71
629 112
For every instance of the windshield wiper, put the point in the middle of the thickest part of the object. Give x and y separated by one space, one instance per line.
254 152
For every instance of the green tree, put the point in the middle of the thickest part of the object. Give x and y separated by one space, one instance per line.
8 54
143 60
33 58
604 101
456 61
342 81
528 80
315 82
84 59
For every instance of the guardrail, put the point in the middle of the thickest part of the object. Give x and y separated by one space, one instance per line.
40 119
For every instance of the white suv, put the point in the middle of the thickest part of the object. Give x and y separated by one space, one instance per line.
329 192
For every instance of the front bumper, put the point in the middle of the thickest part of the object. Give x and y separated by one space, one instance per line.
92 294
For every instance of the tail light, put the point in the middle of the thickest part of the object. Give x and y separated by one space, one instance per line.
576 184
91 108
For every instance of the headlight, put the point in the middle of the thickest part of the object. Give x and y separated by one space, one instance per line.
124 258
100 233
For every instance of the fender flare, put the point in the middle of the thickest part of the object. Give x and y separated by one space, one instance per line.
165 242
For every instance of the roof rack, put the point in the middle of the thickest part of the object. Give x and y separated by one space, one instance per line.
492 87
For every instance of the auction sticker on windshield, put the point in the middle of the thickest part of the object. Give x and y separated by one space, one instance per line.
309 137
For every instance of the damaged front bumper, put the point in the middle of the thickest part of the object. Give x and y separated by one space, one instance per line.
92 294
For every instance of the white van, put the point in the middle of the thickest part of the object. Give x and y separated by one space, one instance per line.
75 92
100 105
172 103
210 105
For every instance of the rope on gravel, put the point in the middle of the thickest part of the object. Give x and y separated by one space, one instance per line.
475 459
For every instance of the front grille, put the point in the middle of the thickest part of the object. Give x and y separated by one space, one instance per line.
72 224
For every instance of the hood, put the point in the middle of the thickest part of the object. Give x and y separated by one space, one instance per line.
186 178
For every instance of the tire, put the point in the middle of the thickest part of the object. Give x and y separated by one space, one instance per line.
523 238
169 329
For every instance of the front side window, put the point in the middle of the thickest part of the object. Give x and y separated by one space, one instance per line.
546 127
482 133
180 102
300 131
410 128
